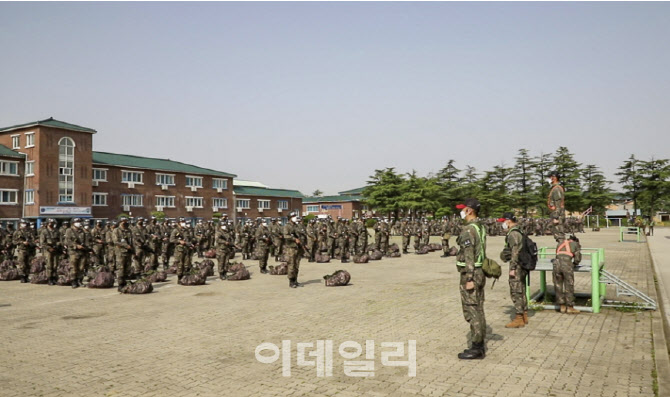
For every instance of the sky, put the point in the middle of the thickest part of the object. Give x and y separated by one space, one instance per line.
314 96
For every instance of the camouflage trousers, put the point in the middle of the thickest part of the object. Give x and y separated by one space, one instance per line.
293 255
23 258
313 247
362 246
384 244
473 305
425 239
405 243
342 247
222 259
378 240
77 264
517 289
331 247
98 254
138 260
51 259
180 260
445 245
111 259
564 280
352 245
558 229
123 261
417 243
263 252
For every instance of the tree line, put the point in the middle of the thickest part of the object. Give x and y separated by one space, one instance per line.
522 187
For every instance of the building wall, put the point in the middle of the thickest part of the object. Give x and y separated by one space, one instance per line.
294 204
45 155
10 182
149 189
349 210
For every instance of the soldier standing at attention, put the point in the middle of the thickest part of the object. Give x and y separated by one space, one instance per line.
111 250
378 234
418 234
568 255
98 243
75 240
180 240
225 245
406 232
556 204
446 235
517 274
312 239
292 247
472 244
24 242
51 249
122 238
362 241
263 242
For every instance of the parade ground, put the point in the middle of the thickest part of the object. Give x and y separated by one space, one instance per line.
203 340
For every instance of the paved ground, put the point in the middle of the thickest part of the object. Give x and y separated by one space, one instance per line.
188 341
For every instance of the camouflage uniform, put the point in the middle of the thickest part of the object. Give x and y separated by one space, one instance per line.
446 235
24 241
111 251
362 242
122 238
568 255
469 261
293 251
140 246
556 204
517 284
406 232
263 242
75 240
98 244
51 250
179 238
225 245
312 240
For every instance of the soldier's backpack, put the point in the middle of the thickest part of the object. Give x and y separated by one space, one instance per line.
376 255
279 270
365 258
193 279
394 248
172 269
39 278
156 276
139 287
9 274
322 258
206 267
64 280
395 255
528 252
240 272
210 254
337 279
38 265
103 278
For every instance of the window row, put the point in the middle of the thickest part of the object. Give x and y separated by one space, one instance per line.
137 200
9 168
100 175
245 204
30 140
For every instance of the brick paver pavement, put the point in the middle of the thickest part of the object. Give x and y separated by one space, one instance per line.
200 341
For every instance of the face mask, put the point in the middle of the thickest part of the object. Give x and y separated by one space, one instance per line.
182 224
504 226
265 224
549 181
294 219
463 214
223 227
77 224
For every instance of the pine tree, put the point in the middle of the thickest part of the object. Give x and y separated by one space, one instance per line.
570 172
522 181
540 187
597 193
654 185
384 190
630 179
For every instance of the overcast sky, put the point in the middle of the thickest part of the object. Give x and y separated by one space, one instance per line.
318 95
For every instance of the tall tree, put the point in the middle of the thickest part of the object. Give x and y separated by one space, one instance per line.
654 186
630 179
522 181
419 195
449 179
317 193
494 191
384 190
570 171
596 191
541 167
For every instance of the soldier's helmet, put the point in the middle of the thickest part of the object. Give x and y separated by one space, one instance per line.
23 221
66 222
181 219
98 221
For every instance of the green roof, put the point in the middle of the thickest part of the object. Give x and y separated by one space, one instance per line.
7 152
260 191
126 160
331 199
353 192
50 122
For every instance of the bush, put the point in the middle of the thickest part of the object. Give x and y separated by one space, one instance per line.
160 215
370 223
308 218
444 211
123 215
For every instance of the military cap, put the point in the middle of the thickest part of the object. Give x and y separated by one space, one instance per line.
554 173
507 216
471 203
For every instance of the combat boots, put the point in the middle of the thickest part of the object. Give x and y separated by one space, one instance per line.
572 310
122 283
563 309
525 317
517 322
75 283
293 283
179 279
24 279
477 352
52 280
264 270
222 275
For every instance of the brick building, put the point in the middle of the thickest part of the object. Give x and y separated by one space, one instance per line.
253 200
52 171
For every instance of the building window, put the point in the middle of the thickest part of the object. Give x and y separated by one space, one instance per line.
165 179
264 204
9 168
218 183
282 204
219 202
99 199
99 174
132 176
29 197
193 181
312 208
133 200
30 139
16 141
195 202
165 201
65 170
243 203
9 197
30 168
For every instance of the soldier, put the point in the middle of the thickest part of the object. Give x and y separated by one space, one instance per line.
471 256
122 238
154 240
3 243
406 232
88 243
556 204
425 233
225 245
277 236
312 239
25 243
111 249
51 249
332 237
352 232
167 248
75 240
293 248
568 255
517 274
378 234
179 237
385 231
362 242
98 242
446 235
200 233
263 239
418 235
